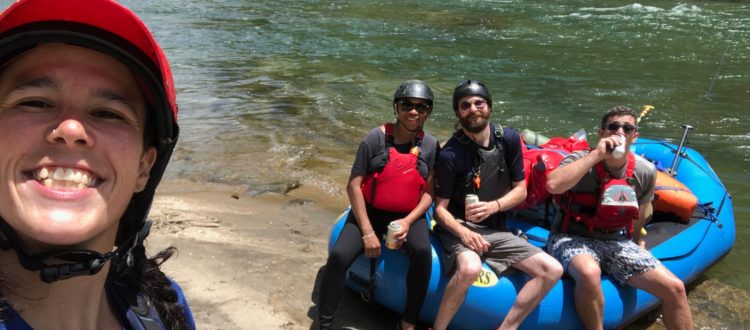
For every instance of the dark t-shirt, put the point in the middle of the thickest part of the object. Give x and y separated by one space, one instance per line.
374 144
454 163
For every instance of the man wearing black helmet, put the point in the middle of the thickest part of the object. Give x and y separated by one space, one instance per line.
87 126
384 189
485 160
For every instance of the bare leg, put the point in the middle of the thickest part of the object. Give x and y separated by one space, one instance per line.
589 297
661 283
468 267
545 272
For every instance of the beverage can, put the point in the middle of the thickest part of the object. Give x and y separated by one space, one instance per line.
471 199
390 238
619 150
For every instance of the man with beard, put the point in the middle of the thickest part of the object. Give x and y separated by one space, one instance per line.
484 159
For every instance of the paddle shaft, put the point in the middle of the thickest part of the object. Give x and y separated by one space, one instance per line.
671 170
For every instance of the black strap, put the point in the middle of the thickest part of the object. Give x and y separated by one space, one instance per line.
371 288
466 140
368 296
74 262
499 132
389 141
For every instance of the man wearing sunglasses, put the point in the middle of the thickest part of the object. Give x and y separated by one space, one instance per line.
484 159
599 231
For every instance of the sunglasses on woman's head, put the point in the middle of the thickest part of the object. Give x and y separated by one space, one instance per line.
479 104
615 126
405 105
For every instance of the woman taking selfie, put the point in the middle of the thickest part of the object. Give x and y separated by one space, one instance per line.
87 126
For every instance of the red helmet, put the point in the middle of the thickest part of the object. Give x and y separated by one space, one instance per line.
108 27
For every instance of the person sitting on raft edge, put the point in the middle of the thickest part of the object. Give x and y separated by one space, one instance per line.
88 121
400 197
485 160
587 238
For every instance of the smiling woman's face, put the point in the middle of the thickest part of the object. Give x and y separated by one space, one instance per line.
71 135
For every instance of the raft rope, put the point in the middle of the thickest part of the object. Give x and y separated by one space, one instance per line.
707 96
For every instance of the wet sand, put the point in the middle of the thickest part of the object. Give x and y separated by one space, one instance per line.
253 262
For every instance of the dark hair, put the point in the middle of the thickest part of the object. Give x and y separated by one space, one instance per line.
619 110
153 282
156 286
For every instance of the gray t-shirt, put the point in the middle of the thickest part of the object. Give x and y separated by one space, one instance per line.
374 145
644 173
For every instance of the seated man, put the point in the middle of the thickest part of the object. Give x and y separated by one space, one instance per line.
484 160
587 237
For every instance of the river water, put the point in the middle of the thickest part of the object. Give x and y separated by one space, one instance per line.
279 92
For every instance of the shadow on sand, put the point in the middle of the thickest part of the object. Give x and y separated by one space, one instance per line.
353 312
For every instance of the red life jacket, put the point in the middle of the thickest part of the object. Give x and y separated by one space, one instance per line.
612 208
398 187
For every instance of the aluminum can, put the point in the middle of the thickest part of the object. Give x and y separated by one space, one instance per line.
390 238
471 199
619 150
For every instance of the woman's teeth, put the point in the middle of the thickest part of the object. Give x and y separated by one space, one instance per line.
64 178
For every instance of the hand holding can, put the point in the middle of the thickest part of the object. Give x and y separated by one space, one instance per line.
619 150
470 199
390 238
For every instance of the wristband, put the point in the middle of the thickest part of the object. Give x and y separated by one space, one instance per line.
371 234
498 205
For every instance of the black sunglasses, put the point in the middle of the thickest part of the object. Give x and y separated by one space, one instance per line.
615 126
405 105
479 104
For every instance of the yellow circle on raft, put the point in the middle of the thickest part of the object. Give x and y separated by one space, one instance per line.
487 278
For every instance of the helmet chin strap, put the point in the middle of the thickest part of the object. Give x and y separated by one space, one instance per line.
71 263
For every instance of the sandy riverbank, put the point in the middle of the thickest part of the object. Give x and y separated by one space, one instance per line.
252 262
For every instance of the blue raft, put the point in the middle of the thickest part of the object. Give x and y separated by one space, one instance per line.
686 249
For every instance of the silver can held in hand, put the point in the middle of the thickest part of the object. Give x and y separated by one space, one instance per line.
390 238
619 151
470 199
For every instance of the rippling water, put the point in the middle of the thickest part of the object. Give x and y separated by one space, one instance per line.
276 92
273 92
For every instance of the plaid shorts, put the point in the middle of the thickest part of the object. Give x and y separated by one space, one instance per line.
621 259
